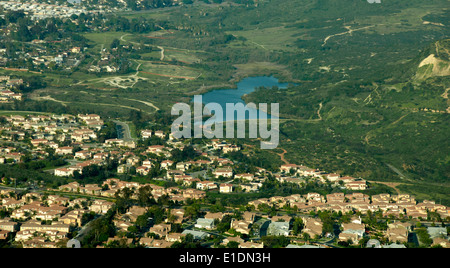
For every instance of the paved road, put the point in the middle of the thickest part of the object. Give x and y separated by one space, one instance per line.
12 188
125 134
86 228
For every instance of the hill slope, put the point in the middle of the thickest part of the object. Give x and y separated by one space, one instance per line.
437 63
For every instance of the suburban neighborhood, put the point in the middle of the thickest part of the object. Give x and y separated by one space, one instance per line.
90 155
174 192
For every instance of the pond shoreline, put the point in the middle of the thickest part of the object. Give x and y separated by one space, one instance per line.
234 95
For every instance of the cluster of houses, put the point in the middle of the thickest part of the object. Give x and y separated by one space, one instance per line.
160 235
112 186
105 63
44 220
7 84
399 206
336 179
163 236
42 58
39 11
42 132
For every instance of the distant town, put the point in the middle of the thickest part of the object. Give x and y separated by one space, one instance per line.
159 192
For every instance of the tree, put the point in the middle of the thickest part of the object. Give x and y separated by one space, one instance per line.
233 244
142 221
14 16
23 34
275 241
100 230
225 224
123 199
297 226
187 241
306 237
171 217
115 43
188 153
192 211
145 197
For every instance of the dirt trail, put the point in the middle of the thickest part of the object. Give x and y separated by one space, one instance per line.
146 103
64 103
172 76
282 157
117 81
393 185
162 53
318 111
40 98
398 120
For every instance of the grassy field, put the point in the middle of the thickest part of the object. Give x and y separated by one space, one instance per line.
104 39
167 70
272 39
406 20
181 56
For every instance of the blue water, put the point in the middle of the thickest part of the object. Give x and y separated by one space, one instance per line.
234 95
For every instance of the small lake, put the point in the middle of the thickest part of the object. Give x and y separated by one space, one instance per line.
234 95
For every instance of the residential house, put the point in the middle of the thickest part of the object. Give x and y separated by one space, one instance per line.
161 229
398 232
251 245
198 235
160 134
236 239
150 242
278 228
245 177
241 226
83 155
7 225
166 164
101 206
204 223
64 172
206 185
226 188
352 232
356 185
313 227
142 170
177 215
175 237
146 133
224 172
64 150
